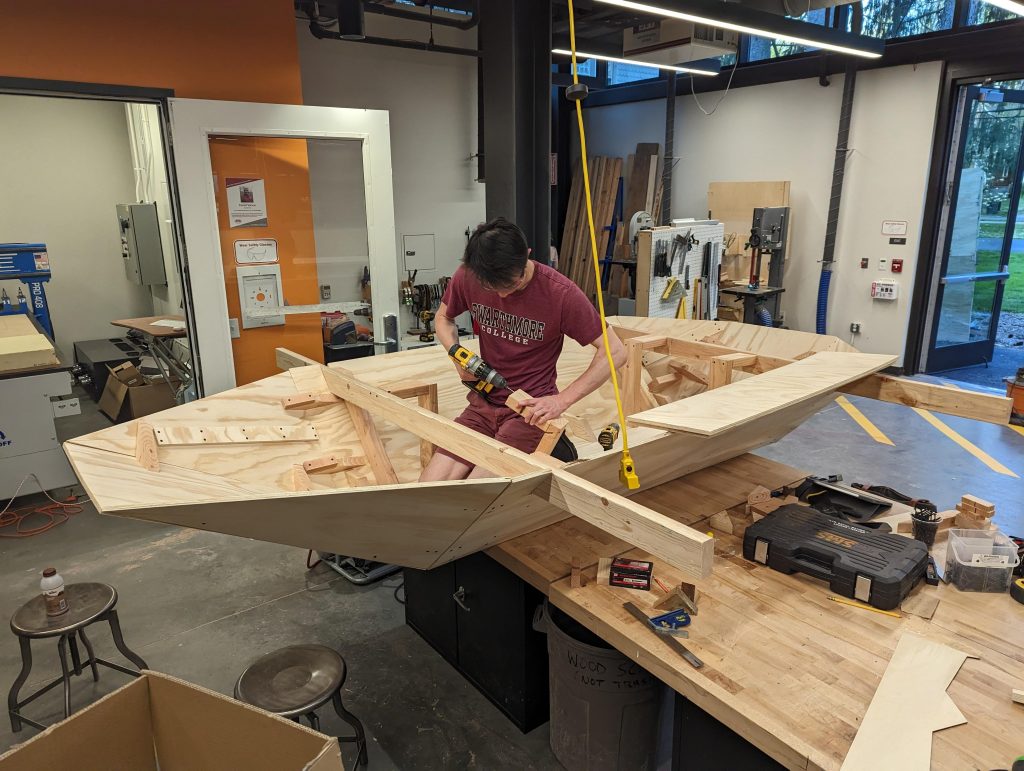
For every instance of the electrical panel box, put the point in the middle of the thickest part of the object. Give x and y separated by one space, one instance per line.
418 251
140 243
884 289
259 292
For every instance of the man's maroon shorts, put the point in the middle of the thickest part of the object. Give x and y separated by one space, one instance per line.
499 422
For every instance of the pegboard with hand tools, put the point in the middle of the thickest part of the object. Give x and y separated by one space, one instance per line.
677 270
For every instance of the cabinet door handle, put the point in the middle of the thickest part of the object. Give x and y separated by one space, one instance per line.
460 597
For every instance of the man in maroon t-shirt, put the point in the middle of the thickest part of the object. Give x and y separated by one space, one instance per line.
521 309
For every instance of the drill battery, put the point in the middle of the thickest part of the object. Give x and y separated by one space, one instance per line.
858 562
631 574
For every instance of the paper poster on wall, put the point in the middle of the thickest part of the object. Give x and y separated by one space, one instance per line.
247 202
260 250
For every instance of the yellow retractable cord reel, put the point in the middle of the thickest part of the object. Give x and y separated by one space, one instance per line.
577 92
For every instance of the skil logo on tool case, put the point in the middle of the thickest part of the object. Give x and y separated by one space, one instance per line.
838 540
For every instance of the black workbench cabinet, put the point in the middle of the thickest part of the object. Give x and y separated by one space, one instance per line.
479 616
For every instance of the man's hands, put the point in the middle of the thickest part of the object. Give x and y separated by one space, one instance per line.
539 411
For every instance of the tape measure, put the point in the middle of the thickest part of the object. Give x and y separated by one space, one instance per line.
1017 590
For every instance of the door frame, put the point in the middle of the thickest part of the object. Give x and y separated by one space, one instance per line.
193 121
955 74
112 92
976 351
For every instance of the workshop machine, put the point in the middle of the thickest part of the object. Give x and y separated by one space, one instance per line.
28 435
769 234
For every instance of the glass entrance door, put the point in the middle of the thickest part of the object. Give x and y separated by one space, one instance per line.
983 234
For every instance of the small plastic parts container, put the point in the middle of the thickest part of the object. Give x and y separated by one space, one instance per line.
980 560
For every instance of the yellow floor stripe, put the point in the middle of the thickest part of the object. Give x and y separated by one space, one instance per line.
1018 429
861 420
972 448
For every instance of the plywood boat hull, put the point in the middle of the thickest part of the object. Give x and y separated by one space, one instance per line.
251 490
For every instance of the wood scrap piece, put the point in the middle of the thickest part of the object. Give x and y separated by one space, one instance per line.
578 426
577 579
921 602
604 570
300 479
1017 695
550 439
515 403
145 447
910 703
759 494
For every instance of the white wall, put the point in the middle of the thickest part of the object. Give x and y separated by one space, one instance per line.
431 98
787 131
151 184
65 165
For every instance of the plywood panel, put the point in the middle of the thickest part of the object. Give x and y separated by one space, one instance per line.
714 412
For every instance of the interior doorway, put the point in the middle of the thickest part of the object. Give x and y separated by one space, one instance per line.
87 186
976 330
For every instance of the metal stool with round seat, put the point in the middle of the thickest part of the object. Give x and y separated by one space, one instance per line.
88 603
294 682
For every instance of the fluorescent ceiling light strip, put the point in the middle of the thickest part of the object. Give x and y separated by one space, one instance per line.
697 19
603 58
1008 5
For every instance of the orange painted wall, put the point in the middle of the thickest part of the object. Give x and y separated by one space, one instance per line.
242 50
284 166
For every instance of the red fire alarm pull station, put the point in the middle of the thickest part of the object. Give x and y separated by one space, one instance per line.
897 265
863 262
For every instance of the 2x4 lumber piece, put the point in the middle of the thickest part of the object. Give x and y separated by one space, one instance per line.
425 395
286 359
145 447
170 434
635 398
677 544
987 408
377 456
464 442
722 366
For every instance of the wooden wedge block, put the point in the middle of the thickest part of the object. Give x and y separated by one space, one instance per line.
331 463
307 401
146 447
300 479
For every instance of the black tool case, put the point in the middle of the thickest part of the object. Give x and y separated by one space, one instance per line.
858 562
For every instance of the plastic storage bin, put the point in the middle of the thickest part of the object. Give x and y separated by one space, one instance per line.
980 560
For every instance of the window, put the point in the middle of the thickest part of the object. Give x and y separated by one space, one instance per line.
586 69
888 19
629 73
761 48
981 12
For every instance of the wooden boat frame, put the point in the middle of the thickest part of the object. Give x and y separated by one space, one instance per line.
334 452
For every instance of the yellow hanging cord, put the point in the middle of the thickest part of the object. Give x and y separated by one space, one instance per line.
627 470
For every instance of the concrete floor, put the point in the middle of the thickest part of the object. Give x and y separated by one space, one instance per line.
201 606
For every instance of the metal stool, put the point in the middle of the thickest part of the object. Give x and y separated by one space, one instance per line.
296 681
88 603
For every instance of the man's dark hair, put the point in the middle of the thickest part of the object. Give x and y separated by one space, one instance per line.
496 253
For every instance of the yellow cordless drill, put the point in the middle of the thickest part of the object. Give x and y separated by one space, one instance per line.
487 378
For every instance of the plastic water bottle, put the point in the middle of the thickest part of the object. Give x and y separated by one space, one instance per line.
52 586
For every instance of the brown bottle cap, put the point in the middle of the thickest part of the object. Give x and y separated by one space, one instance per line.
49 572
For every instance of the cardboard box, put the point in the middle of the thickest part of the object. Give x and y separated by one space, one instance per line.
160 723
129 394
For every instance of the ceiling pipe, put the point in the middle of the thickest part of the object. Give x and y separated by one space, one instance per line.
398 13
321 33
